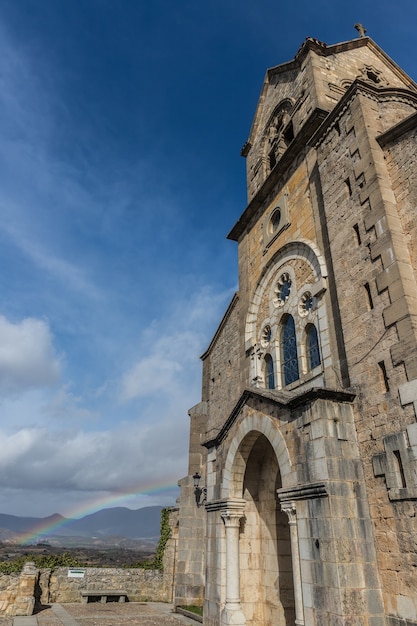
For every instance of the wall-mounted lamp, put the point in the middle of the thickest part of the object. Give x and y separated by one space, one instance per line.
199 492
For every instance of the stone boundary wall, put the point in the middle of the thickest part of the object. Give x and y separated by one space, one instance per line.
20 594
140 584
9 588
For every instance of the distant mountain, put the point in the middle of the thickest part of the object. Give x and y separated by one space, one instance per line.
24 524
118 521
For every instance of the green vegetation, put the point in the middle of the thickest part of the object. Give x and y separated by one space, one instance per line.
157 561
52 561
198 610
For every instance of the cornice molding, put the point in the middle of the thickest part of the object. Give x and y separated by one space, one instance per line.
303 492
288 400
360 87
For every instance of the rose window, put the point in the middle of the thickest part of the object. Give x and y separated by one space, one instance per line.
282 290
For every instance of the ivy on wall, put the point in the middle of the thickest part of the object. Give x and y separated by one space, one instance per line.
157 561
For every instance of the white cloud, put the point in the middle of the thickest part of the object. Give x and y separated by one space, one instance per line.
170 363
162 369
139 446
129 458
27 355
67 407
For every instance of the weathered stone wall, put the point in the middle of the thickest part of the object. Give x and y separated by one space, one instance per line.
20 593
401 160
259 254
222 364
9 587
141 585
377 304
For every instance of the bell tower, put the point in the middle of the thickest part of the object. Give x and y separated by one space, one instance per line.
306 436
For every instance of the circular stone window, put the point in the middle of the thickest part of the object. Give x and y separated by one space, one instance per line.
266 336
274 221
282 290
306 304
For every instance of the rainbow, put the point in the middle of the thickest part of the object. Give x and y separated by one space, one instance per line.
50 524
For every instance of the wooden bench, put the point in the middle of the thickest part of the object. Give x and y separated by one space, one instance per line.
86 594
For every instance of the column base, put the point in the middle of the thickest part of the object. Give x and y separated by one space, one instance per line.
232 615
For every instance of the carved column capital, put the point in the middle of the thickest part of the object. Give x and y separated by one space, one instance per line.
231 518
290 509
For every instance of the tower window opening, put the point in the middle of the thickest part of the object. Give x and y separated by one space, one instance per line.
369 296
288 134
272 159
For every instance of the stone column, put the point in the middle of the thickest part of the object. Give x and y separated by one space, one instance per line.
232 614
290 510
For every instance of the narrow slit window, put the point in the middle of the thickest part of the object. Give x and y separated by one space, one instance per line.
361 180
348 186
269 372
384 375
358 234
369 296
400 467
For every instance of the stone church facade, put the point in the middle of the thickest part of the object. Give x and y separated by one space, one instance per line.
306 435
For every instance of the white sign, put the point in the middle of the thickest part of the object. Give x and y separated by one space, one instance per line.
76 573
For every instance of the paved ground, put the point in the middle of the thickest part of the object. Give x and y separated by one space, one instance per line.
110 614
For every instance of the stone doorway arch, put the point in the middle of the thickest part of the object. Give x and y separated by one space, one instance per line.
267 588
257 465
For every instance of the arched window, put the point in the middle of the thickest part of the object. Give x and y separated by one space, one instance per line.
289 360
312 347
269 372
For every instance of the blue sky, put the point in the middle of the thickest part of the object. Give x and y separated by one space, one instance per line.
120 176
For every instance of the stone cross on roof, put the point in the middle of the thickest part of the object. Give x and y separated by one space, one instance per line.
361 29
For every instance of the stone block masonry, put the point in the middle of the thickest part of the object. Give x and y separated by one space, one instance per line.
20 594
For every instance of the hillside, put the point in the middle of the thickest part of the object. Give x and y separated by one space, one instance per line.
114 522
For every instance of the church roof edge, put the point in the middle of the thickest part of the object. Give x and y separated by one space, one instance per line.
321 48
220 327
